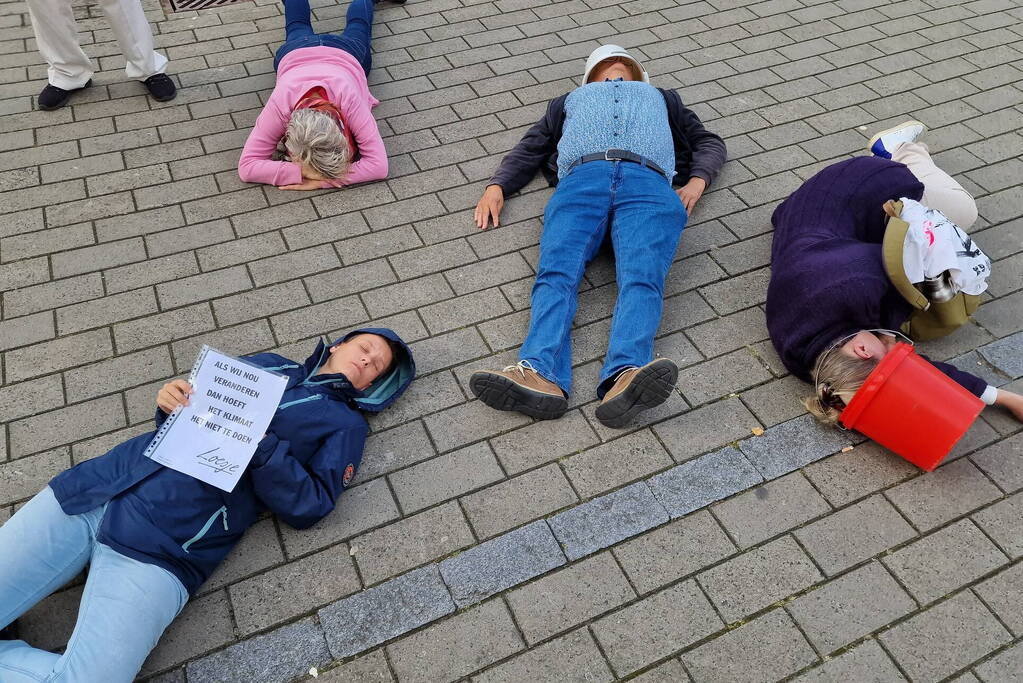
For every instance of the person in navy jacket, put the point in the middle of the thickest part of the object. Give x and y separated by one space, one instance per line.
151 535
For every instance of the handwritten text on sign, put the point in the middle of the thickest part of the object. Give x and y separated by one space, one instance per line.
214 437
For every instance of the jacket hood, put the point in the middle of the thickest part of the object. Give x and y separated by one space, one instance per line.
386 389
607 51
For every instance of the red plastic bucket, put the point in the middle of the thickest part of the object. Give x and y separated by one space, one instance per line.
910 407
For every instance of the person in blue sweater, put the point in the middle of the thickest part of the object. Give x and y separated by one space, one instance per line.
831 308
151 535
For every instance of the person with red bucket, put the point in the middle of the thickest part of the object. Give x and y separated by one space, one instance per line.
839 291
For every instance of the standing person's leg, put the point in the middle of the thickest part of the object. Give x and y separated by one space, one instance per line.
53 23
126 607
135 37
41 549
575 222
648 221
941 191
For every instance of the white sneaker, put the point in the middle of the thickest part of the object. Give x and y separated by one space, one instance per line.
887 141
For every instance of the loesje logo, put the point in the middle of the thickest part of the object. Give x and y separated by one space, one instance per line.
346 478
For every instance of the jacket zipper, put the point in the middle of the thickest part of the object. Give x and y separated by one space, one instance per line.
206 527
290 366
314 397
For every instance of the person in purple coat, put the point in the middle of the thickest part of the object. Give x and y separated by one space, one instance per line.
832 310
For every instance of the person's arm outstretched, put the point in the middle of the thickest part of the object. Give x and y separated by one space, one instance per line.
255 165
517 168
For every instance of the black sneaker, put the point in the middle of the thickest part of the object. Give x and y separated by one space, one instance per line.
53 97
10 632
161 88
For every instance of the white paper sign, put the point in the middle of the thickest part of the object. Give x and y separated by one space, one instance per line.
215 435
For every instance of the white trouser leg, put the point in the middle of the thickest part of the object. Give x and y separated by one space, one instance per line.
941 191
135 37
53 22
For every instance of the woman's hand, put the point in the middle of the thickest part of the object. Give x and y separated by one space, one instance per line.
1011 402
691 192
306 184
489 206
173 394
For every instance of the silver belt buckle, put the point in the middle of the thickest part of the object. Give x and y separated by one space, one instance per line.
607 158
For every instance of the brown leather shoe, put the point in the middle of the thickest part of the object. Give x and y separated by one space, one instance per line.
519 388
636 390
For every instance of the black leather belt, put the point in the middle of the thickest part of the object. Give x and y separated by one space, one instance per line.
617 155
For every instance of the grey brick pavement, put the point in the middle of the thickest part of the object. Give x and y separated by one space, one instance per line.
126 241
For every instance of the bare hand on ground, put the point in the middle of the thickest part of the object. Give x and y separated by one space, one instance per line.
691 192
306 184
173 394
1011 402
489 207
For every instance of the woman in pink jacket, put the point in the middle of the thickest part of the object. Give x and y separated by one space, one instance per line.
316 130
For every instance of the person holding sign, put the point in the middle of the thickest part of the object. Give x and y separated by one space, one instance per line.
152 535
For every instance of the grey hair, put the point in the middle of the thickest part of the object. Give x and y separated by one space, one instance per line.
314 138
838 378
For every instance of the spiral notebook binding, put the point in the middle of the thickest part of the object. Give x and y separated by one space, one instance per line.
173 416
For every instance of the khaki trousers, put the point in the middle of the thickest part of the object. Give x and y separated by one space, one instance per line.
941 192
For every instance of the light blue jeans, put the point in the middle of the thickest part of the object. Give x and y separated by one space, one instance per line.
125 608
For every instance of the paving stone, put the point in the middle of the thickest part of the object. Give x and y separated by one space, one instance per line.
80 421
163 327
605 467
117 373
655 627
104 311
682 547
49 624
468 422
355 624
29 398
370 667
256 551
292 589
703 480
1003 594
1001 523
705 428
854 534
606 520
836 613
1005 666
391 450
721 376
940 641
501 563
358 509
867 663
203 625
572 658
765 649
543 441
318 319
411 542
517 500
1006 354
457 646
948 492
52 294
445 477
758 578
279 655
868 467
770 509
26 330
793 444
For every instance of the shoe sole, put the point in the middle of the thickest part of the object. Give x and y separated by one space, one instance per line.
651 387
904 124
70 94
501 393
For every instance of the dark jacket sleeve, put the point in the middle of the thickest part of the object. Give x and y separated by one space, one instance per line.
532 152
698 152
973 384
302 494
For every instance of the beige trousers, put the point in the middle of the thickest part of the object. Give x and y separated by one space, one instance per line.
53 22
941 191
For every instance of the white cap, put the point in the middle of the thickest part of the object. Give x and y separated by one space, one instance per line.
607 51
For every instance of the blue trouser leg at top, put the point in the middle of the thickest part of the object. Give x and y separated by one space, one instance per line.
358 32
648 221
575 222
355 39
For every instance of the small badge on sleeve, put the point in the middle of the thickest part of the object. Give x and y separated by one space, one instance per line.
346 479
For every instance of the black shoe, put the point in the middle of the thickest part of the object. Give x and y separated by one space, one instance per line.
161 88
53 97
10 632
636 390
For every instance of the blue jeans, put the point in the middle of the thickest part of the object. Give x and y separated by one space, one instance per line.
125 608
645 218
298 31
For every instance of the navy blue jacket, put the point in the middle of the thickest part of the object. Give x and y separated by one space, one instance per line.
309 456
827 269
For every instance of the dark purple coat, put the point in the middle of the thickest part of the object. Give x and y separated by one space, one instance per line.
827 273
